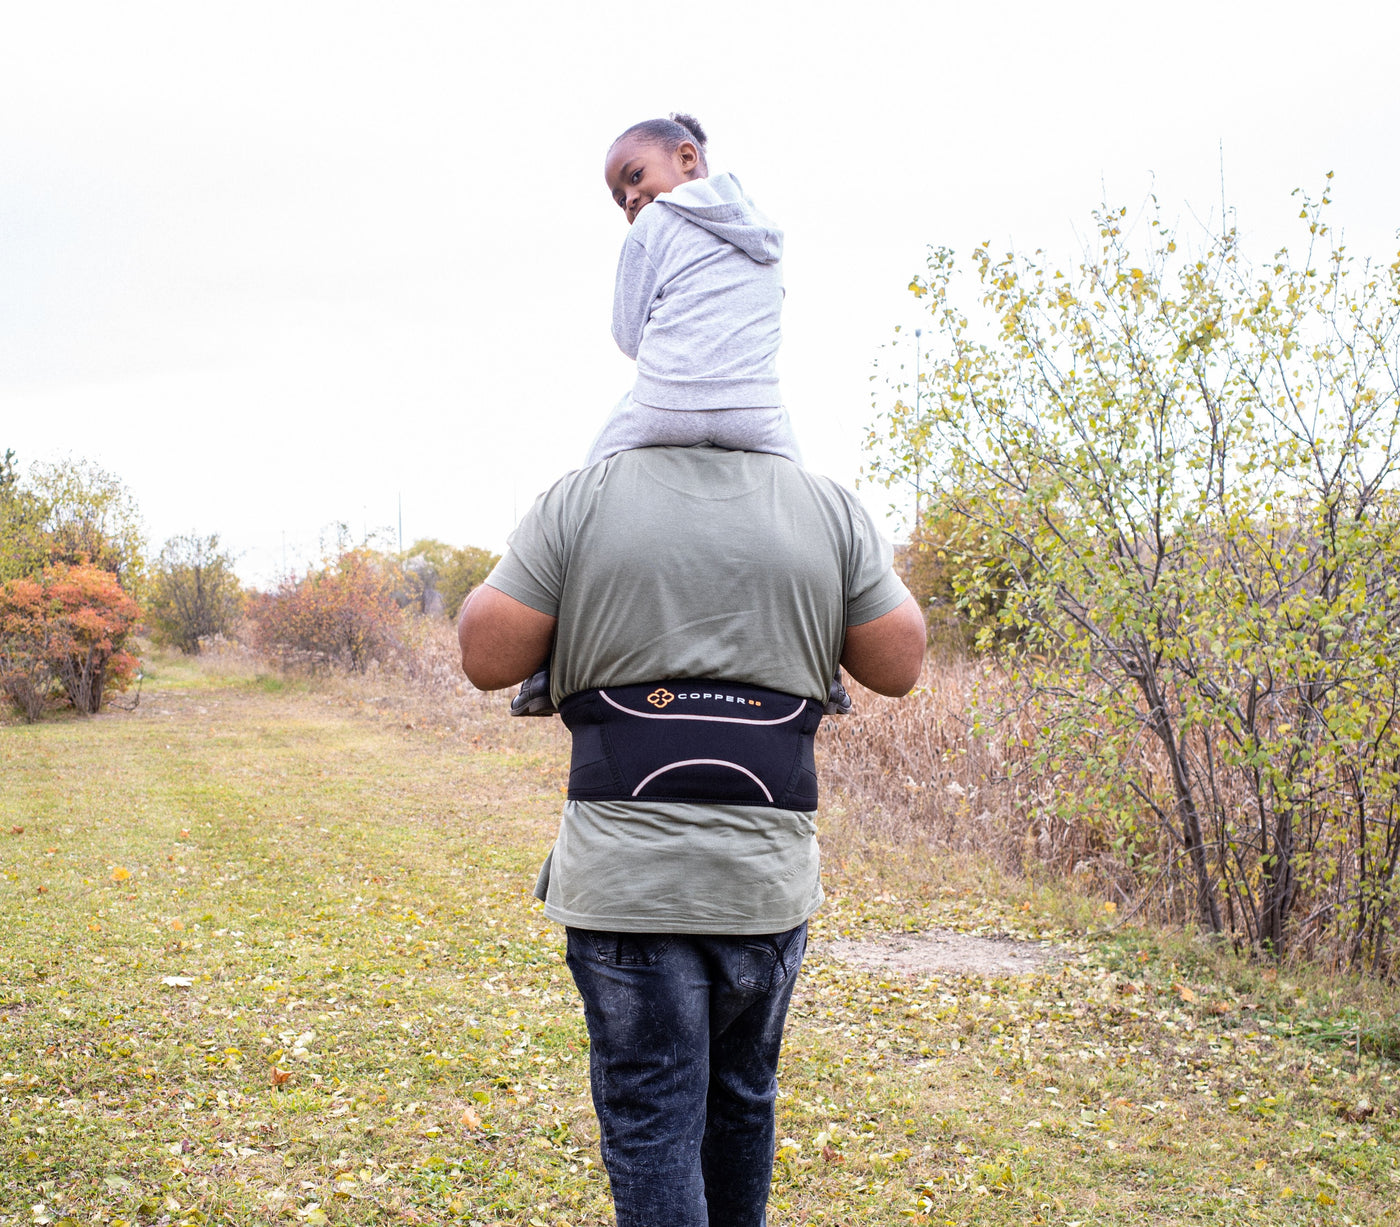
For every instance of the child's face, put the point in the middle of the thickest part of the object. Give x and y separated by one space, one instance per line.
637 172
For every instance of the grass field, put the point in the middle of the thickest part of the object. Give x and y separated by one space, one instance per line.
268 953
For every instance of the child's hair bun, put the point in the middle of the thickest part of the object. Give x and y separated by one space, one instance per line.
691 125
668 134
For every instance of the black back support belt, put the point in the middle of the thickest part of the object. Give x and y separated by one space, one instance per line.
701 741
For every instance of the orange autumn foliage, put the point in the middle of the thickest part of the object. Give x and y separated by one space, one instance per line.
68 627
343 614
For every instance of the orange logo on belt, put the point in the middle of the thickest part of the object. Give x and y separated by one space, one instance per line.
660 697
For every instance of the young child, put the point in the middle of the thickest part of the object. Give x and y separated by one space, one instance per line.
697 303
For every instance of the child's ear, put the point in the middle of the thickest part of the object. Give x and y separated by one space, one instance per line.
688 159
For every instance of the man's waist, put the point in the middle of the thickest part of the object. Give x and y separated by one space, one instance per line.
689 740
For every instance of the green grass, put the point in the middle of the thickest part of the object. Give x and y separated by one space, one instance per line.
268 953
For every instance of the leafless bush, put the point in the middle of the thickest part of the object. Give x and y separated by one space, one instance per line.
27 689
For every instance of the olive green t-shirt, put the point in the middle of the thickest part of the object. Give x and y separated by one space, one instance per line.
668 563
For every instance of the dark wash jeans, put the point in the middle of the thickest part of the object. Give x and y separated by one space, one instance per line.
684 1033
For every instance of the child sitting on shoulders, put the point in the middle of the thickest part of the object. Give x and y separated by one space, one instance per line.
697 305
698 301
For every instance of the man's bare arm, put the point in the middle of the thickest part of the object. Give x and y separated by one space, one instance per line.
886 654
503 640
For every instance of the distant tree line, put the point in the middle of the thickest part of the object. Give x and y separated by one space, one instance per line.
357 607
76 588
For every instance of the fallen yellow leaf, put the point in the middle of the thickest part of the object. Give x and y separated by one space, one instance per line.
119 874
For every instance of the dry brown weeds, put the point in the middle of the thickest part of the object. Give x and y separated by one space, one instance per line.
914 769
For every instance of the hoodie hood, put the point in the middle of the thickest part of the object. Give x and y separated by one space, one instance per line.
718 204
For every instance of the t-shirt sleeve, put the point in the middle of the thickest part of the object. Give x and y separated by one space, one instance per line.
532 569
872 587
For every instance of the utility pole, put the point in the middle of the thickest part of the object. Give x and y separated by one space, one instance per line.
400 521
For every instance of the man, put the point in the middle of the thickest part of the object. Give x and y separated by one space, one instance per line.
686 863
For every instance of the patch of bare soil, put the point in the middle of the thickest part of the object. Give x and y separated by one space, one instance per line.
948 952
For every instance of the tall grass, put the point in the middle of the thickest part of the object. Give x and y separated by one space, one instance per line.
916 769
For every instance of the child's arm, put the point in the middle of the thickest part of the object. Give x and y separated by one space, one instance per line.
638 280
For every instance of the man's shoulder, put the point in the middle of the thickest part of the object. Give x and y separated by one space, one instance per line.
657 477
708 464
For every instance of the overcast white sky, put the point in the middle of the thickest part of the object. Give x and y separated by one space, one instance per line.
277 264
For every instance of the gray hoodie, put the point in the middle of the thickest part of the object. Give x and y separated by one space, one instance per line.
698 299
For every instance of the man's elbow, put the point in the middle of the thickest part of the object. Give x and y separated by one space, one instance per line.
905 662
502 640
464 636
486 678
482 666
887 655
480 660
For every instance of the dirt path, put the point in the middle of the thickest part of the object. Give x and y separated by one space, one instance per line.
947 952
